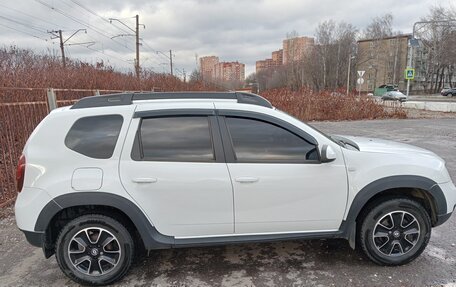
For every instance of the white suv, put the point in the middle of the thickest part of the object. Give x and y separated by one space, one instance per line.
165 170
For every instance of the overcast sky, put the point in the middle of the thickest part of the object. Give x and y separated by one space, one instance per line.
235 30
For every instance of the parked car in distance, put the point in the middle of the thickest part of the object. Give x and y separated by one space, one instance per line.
113 173
448 92
384 88
394 96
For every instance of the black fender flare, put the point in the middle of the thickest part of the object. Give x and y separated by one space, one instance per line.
151 237
348 226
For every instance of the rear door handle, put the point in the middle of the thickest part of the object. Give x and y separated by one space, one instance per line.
144 180
247 179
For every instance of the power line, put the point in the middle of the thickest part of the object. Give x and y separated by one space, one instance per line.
97 15
101 52
24 32
24 24
63 42
29 15
86 9
163 55
81 22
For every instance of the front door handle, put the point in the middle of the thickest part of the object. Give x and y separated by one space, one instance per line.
144 180
247 179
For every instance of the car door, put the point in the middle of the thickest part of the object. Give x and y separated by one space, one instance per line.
280 185
173 166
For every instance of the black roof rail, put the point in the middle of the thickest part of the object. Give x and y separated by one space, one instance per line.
121 99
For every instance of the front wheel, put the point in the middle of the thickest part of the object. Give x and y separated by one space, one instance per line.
395 231
94 250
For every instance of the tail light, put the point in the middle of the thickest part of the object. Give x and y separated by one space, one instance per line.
20 173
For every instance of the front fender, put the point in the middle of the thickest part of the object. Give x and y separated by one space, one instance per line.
348 226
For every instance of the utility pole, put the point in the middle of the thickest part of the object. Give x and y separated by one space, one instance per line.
350 57
171 61
58 34
62 49
185 75
137 46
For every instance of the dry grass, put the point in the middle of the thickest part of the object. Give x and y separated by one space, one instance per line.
308 105
22 68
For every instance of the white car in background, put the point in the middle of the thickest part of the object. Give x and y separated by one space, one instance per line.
394 96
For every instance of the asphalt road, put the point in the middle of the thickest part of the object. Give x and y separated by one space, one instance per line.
291 263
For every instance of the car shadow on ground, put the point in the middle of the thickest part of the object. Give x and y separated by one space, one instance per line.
257 262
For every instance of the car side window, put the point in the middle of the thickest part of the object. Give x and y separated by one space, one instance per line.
178 138
258 141
96 136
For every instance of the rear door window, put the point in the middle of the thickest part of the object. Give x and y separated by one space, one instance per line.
176 138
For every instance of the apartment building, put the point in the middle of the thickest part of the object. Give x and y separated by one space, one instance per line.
295 49
275 61
384 61
207 65
229 71
277 57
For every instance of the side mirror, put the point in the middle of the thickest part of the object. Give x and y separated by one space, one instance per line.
327 154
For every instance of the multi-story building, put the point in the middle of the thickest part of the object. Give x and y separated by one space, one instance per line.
277 57
295 49
275 61
229 71
207 65
263 65
384 61
212 69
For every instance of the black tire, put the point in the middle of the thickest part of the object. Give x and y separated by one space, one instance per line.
398 245
121 250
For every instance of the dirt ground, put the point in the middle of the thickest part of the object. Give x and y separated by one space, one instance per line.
422 114
290 263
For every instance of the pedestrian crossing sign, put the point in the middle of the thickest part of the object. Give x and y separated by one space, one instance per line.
409 74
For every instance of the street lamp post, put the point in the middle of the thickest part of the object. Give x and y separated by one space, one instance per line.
350 57
410 62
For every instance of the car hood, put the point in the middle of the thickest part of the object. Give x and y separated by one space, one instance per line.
384 146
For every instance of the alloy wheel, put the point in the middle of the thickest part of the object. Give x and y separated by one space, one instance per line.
94 251
396 233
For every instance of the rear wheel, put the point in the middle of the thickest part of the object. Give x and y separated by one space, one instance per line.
94 250
395 231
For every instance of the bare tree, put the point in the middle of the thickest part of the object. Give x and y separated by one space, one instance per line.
380 27
334 45
195 76
437 53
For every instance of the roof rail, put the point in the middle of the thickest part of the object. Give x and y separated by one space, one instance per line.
121 99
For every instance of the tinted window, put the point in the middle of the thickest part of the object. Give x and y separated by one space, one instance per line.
176 139
258 141
95 136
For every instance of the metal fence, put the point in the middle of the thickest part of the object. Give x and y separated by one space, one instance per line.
21 110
